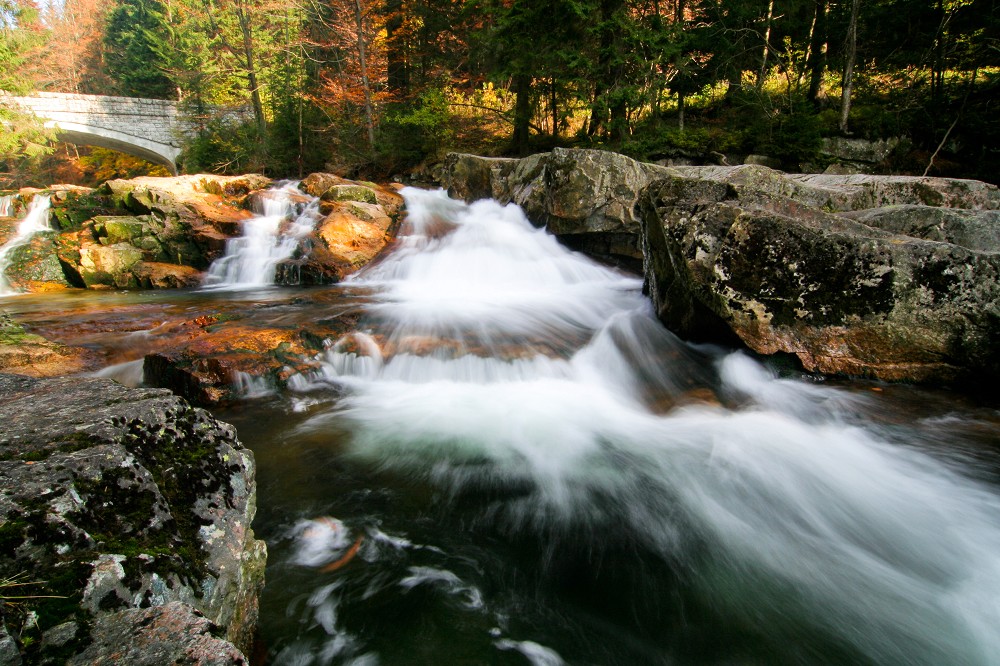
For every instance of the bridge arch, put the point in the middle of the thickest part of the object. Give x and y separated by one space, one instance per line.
152 129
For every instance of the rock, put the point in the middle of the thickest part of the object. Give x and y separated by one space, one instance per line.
197 212
974 229
858 150
859 192
29 354
320 184
116 499
209 360
174 633
35 266
360 219
158 275
763 160
585 197
732 254
842 169
350 192
109 265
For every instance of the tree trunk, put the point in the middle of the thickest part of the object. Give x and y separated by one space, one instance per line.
851 52
365 84
396 68
246 31
767 44
816 60
522 114
553 102
609 75
598 113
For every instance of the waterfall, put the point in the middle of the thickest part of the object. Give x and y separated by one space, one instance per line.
6 205
35 221
270 237
509 373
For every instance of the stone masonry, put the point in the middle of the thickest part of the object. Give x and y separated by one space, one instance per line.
149 128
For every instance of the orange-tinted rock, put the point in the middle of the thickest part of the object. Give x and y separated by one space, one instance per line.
28 354
156 275
204 359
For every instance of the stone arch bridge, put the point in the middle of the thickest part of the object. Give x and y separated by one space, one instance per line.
152 129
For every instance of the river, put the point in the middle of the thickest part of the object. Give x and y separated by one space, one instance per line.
509 461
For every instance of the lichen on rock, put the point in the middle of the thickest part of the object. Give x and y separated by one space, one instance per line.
119 498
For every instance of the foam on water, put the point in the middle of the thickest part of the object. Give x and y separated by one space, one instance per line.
544 373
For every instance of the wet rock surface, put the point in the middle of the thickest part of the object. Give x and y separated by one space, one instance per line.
163 233
216 360
116 499
890 277
30 354
359 221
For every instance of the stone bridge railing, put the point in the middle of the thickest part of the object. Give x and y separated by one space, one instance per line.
152 129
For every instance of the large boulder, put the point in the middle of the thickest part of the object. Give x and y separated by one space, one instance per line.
359 219
585 197
117 499
196 213
901 292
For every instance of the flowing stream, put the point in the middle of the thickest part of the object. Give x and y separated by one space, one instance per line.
35 221
286 215
510 461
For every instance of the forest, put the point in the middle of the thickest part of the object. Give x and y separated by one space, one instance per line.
379 88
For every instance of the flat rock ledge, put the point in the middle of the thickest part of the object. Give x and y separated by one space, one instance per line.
889 277
125 525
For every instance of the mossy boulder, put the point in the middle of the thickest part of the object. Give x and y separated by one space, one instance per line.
117 499
109 265
35 265
197 212
350 192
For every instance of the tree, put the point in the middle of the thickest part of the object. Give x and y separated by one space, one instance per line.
851 51
72 58
22 135
132 39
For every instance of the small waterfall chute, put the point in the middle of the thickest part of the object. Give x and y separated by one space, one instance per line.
35 221
273 235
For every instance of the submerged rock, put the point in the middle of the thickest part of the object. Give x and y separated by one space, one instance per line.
213 361
119 499
25 353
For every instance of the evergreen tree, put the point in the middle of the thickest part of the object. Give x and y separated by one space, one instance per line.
132 42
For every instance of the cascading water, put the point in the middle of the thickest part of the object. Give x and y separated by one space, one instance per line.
270 237
649 501
35 221
6 205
